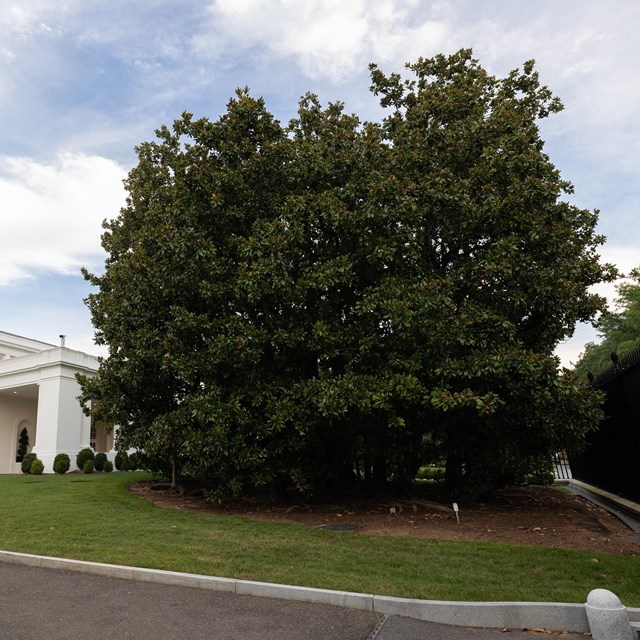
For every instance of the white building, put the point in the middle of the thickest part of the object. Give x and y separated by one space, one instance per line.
39 393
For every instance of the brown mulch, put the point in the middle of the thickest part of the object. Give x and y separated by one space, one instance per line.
543 516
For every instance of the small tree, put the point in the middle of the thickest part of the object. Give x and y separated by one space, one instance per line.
23 444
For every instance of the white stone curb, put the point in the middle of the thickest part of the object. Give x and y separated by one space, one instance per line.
499 615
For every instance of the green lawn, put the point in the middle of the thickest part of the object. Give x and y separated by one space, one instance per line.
92 517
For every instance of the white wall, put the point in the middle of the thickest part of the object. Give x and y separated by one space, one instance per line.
12 413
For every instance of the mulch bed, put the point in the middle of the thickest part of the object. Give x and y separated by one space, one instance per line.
542 516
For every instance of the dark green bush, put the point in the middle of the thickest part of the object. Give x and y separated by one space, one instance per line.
136 461
108 466
83 456
540 473
99 460
430 473
122 461
27 461
37 467
23 443
87 467
61 463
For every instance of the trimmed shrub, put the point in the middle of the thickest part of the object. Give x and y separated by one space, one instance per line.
23 443
88 466
27 461
37 467
99 460
61 463
122 461
430 473
135 461
108 466
84 455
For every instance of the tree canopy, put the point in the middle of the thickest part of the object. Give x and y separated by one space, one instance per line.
334 301
618 330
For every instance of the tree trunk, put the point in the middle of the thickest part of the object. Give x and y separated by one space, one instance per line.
453 475
380 472
174 473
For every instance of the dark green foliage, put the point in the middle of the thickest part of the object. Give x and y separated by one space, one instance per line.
99 460
61 463
156 465
83 455
23 444
334 302
88 466
27 461
135 461
430 473
619 330
108 466
122 461
542 474
37 467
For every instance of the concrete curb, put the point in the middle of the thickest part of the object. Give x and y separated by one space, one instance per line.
628 506
499 615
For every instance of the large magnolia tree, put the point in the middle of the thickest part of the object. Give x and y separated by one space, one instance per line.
332 301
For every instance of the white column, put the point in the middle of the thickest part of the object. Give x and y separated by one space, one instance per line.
60 420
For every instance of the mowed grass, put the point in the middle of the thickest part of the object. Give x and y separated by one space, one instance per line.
92 517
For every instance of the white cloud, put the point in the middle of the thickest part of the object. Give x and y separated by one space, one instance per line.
330 39
52 213
96 76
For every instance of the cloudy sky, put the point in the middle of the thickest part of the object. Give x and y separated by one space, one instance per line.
83 81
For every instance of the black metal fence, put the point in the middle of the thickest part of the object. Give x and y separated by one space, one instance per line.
611 460
561 466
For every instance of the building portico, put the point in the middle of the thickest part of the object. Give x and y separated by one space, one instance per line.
39 392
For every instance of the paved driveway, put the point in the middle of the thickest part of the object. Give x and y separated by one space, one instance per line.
49 604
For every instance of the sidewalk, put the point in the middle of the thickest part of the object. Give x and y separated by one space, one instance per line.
38 603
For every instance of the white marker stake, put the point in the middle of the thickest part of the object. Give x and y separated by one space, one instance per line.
455 510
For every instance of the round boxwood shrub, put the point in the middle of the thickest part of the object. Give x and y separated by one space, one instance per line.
27 461
135 461
61 463
99 460
87 467
108 466
122 461
37 467
84 455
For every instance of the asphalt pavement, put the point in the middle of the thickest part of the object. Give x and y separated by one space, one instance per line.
49 604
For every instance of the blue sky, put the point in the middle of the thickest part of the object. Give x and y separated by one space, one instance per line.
84 81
